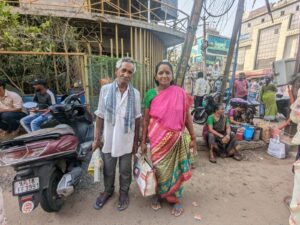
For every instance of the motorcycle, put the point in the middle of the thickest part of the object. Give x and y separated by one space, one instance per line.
48 162
201 113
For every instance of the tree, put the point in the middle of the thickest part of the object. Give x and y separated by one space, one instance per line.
38 34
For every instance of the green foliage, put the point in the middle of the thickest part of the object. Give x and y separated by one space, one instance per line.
37 34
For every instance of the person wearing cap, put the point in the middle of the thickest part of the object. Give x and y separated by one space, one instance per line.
10 110
44 98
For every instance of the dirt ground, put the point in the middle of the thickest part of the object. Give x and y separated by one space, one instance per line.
227 193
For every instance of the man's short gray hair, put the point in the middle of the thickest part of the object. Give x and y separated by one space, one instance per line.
127 60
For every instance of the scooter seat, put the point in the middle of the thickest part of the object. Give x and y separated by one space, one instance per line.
62 129
48 133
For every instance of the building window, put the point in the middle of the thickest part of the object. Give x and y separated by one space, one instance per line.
267 47
262 20
241 58
282 13
290 49
297 8
249 24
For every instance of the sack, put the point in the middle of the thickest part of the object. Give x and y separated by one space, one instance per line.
145 177
96 165
276 148
266 132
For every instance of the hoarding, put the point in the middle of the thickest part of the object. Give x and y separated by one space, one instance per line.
216 52
218 45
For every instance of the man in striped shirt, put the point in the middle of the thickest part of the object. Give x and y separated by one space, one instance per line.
44 98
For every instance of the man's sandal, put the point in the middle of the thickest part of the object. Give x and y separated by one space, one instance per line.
101 200
123 202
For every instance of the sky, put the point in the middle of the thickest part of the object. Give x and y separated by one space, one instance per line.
226 24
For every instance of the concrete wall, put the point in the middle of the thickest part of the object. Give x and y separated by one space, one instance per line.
56 5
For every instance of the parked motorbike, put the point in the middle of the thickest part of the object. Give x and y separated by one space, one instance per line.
201 113
48 162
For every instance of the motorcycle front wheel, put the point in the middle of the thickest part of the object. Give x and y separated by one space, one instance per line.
200 119
50 201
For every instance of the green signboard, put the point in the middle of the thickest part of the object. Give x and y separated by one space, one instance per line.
218 45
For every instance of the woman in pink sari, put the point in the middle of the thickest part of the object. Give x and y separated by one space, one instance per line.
165 119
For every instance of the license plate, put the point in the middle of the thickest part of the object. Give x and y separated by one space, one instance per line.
26 186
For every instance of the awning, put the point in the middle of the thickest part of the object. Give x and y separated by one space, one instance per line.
255 73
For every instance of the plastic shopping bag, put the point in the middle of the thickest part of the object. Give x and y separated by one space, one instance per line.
96 165
276 148
145 177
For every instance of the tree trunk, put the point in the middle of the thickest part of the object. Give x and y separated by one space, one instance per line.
56 75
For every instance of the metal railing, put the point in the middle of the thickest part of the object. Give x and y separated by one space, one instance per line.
135 9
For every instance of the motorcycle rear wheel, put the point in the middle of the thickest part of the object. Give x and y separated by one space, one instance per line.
50 201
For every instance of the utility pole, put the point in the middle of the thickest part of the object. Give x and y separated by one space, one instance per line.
297 63
236 29
188 43
204 46
296 82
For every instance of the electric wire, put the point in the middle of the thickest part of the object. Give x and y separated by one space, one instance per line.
221 14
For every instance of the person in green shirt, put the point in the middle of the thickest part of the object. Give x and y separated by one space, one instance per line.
221 140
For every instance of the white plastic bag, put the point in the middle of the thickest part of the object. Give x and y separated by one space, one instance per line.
276 148
145 176
96 165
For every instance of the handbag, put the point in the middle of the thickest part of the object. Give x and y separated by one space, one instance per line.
276 148
145 176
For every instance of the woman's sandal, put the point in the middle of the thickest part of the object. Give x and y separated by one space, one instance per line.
156 203
123 202
237 156
212 157
177 209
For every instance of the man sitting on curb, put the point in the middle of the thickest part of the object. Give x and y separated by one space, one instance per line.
10 111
